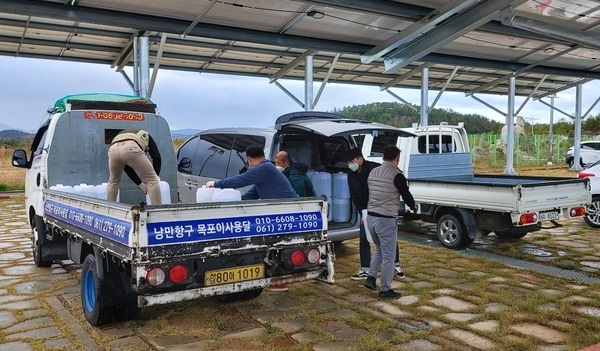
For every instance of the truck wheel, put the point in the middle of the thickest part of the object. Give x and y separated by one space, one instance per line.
91 294
452 232
37 238
510 235
592 212
127 311
240 296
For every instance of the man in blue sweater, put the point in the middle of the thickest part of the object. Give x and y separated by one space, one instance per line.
266 180
267 183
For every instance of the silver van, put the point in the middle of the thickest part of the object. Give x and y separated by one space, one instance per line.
318 139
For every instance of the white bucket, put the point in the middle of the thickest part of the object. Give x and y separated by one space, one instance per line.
340 186
227 194
204 194
322 183
165 193
341 210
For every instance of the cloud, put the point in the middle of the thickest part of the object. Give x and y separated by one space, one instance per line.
203 101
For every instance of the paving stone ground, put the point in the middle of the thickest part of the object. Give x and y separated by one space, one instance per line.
444 306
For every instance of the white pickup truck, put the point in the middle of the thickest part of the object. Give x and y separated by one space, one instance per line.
465 206
135 255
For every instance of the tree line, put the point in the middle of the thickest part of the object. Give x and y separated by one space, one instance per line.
401 115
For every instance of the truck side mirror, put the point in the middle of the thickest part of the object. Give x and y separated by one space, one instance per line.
19 159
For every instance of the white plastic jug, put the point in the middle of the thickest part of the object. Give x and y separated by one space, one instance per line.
322 183
165 193
60 187
310 173
340 186
204 194
227 194
341 210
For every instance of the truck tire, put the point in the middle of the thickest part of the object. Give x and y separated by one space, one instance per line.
127 311
240 296
510 235
592 212
37 240
452 233
91 294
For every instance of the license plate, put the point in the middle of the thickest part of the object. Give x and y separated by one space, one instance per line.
547 216
234 274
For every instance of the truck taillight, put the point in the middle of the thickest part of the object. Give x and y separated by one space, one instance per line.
528 218
155 277
297 258
577 211
313 256
178 274
582 175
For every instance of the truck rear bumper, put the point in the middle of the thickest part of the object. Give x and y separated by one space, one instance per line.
169 297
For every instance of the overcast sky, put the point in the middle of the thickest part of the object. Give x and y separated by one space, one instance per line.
203 101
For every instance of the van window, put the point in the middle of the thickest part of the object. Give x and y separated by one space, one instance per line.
186 156
237 163
334 154
447 145
212 155
381 141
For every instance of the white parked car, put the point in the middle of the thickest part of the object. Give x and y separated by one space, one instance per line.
592 216
589 153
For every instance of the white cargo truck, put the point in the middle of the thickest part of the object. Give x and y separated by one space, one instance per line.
135 255
466 206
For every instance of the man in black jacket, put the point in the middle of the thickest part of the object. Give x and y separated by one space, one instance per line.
359 192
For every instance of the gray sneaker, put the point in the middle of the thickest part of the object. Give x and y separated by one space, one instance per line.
390 294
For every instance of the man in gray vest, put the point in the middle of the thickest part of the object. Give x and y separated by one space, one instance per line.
386 185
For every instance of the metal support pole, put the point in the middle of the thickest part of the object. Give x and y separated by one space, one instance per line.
308 83
136 67
550 134
424 96
144 51
576 149
510 128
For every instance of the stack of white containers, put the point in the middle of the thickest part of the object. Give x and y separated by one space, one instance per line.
341 198
99 191
322 184
205 194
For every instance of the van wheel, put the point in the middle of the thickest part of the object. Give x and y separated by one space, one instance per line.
91 294
592 212
510 235
452 233
240 296
37 238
